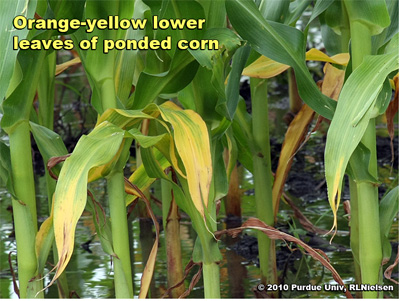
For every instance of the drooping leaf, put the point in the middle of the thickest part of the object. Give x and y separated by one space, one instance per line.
49 143
92 150
293 138
193 146
355 108
272 233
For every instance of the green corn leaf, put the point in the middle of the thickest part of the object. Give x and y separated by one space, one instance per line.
218 62
102 225
355 108
125 119
126 59
296 8
331 39
46 91
360 157
5 169
201 100
10 9
215 13
49 143
17 107
140 177
379 41
228 42
388 209
183 69
243 135
100 67
281 43
319 7
95 149
372 13
220 176
180 10
232 88
64 9
275 10
384 98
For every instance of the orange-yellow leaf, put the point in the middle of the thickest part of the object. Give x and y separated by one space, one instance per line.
193 146
264 67
64 66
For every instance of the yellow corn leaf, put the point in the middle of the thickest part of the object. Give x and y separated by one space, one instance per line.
264 67
193 146
64 66
95 149
44 240
331 86
317 55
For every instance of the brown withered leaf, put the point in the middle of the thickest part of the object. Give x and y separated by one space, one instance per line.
272 233
193 282
151 261
295 136
14 279
389 270
304 221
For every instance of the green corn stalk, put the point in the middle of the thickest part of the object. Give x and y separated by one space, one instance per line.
16 123
102 70
359 140
263 177
370 255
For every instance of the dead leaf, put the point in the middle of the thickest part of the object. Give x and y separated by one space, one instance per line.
389 270
272 233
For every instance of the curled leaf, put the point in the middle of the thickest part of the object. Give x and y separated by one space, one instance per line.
71 192
272 233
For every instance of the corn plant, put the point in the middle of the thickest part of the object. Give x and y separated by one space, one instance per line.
183 111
